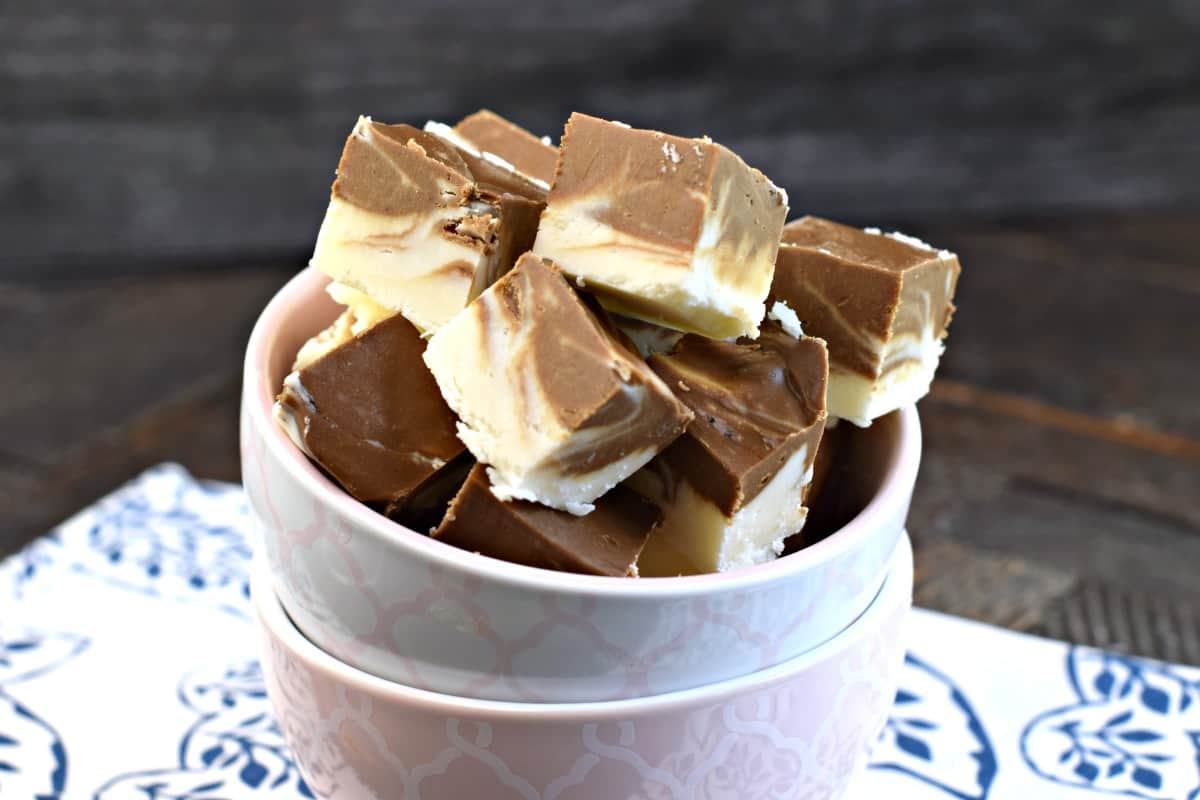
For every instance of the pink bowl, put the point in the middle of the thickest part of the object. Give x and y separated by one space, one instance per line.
405 607
802 728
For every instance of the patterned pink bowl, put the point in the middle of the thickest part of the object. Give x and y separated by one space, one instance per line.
800 729
402 606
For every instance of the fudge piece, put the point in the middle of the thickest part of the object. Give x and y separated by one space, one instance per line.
419 225
605 542
361 313
881 301
675 231
369 413
340 331
830 458
488 132
731 489
424 508
549 398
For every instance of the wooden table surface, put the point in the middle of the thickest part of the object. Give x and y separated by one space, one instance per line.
1060 487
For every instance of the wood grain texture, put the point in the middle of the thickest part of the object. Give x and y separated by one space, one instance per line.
1109 616
977 584
106 378
142 135
1064 427
94 352
198 430
1006 484
1095 316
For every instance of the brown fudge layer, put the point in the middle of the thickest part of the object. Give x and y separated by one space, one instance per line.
557 406
605 542
881 301
675 231
421 226
732 487
369 413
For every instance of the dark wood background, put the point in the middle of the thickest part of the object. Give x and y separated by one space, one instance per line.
141 135
164 167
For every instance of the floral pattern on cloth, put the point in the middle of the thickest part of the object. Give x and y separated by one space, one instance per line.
935 736
234 749
1134 730
165 535
33 760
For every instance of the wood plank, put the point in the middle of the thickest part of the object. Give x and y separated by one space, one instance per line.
973 453
141 135
198 431
1065 530
1119 430
86 357
107 377
1156 249
1106 615
1096 317
1106 540
1087 507
1007 590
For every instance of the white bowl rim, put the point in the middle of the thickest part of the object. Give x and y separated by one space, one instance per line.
901 472
895 593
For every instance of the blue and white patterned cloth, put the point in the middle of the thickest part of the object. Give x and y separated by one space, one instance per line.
128 672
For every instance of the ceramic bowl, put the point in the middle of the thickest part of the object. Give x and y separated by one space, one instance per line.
400 605
801 728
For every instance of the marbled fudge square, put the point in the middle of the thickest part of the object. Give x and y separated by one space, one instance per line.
675 231
881 301
557 406
421 226
732 488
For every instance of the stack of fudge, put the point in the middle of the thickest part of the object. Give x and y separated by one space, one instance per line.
609 357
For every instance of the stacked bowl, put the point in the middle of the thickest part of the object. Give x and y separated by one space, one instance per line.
401 667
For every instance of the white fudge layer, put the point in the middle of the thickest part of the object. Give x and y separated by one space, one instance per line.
695 536
283 414
361 314
483 369
860 400
782 313
661 284
404 263
366 312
